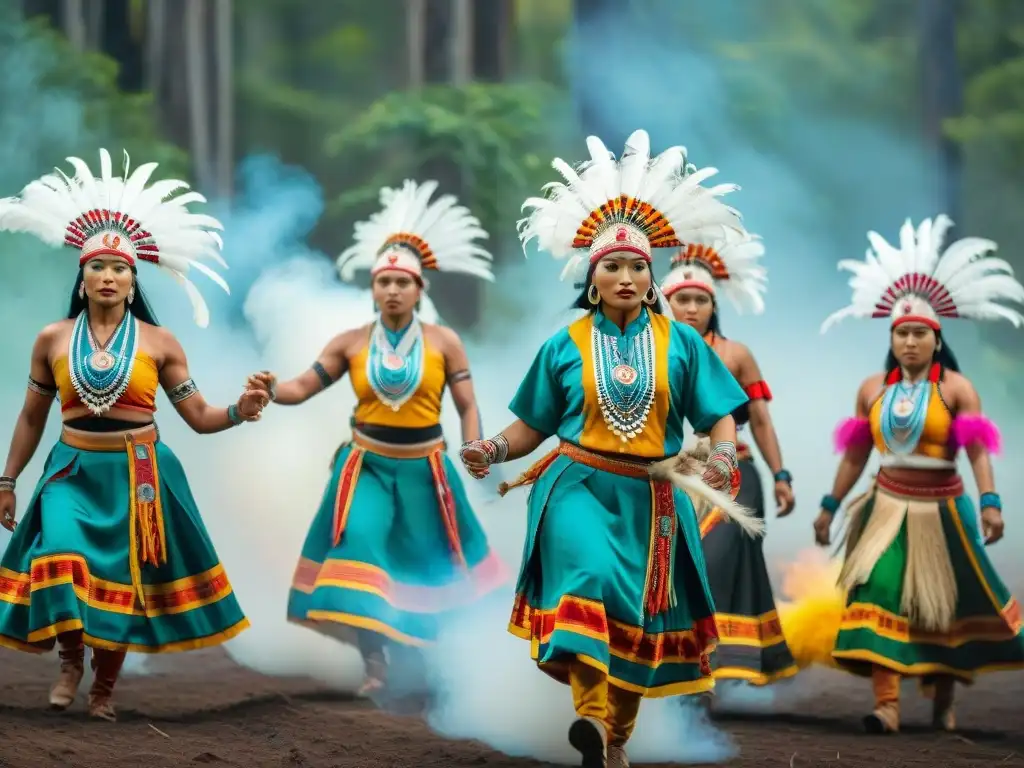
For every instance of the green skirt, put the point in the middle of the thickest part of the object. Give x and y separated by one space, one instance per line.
585 586
983 632
112 544
394 546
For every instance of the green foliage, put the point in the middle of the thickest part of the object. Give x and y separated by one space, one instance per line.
494 134
84 85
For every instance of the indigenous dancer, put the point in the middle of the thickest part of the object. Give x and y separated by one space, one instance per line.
612 593
395 541
751 647
111 551
923 598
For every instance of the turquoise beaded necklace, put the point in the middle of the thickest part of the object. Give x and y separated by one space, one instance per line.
904 410
100 373
394 365
625 380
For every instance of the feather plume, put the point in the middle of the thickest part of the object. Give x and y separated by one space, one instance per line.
961 281
665 182
162 228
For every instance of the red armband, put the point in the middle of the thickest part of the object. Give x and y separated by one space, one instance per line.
975 429
852 433
759 391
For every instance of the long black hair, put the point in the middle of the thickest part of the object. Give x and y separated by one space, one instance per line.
140 307
943 356
583 300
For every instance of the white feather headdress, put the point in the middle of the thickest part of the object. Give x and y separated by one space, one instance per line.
917 283
410 234
729 263
635 203
123 217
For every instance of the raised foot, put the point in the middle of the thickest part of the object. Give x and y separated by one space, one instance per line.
64 691
587 736
617 757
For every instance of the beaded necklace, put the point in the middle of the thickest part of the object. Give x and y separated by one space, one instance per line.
625 382
904 410
394 365
100 373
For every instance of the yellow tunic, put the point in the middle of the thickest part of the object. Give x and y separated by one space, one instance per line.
139 396
938 421
423 409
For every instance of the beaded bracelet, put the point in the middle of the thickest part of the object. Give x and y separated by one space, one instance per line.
7 483
234 416
991 500
830 503
783 476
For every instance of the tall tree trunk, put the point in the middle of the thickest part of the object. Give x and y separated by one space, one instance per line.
95 16
494 25
197 73
942 92
225 97
590 17
460 45
73 14
156 45
415 37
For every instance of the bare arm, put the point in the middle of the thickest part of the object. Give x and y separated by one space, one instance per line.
522 440
456 365
724 431
330 366
855 459
760 419
189 402
967 401
28 430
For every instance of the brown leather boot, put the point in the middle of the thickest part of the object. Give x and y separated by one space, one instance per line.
106 666
72 667
617 756
943 716
589 737
886 717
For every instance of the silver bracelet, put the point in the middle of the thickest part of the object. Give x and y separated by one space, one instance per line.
7 483
500 449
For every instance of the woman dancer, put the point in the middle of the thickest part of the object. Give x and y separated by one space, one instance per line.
111 551
923 598
612 593
751 647
395 541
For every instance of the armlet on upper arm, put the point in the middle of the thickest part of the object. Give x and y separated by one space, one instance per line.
852 433
759 391
182 392
41 389
975 429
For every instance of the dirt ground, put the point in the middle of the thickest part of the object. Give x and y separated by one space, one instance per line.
203 710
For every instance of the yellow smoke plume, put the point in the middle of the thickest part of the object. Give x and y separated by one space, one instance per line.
811 607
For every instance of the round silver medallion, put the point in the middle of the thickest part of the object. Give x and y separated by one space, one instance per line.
903 407
624 374
101 360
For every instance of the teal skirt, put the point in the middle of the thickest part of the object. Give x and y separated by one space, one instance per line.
595 540
985 633
112 544
394 546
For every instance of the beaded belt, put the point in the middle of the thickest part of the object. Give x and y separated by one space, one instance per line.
951 489
148 542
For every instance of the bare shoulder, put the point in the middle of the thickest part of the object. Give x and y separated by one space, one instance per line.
157 337
348 342
54 335
958 389
871 387
955 380
442 337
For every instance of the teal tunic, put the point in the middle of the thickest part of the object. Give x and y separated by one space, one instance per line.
68 565
583 580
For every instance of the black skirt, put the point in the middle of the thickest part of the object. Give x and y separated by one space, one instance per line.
750 646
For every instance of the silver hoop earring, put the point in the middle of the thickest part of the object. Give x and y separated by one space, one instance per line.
593 296
131 295
651 297
81 290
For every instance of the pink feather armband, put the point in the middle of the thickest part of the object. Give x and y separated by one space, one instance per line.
975 429
852 433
